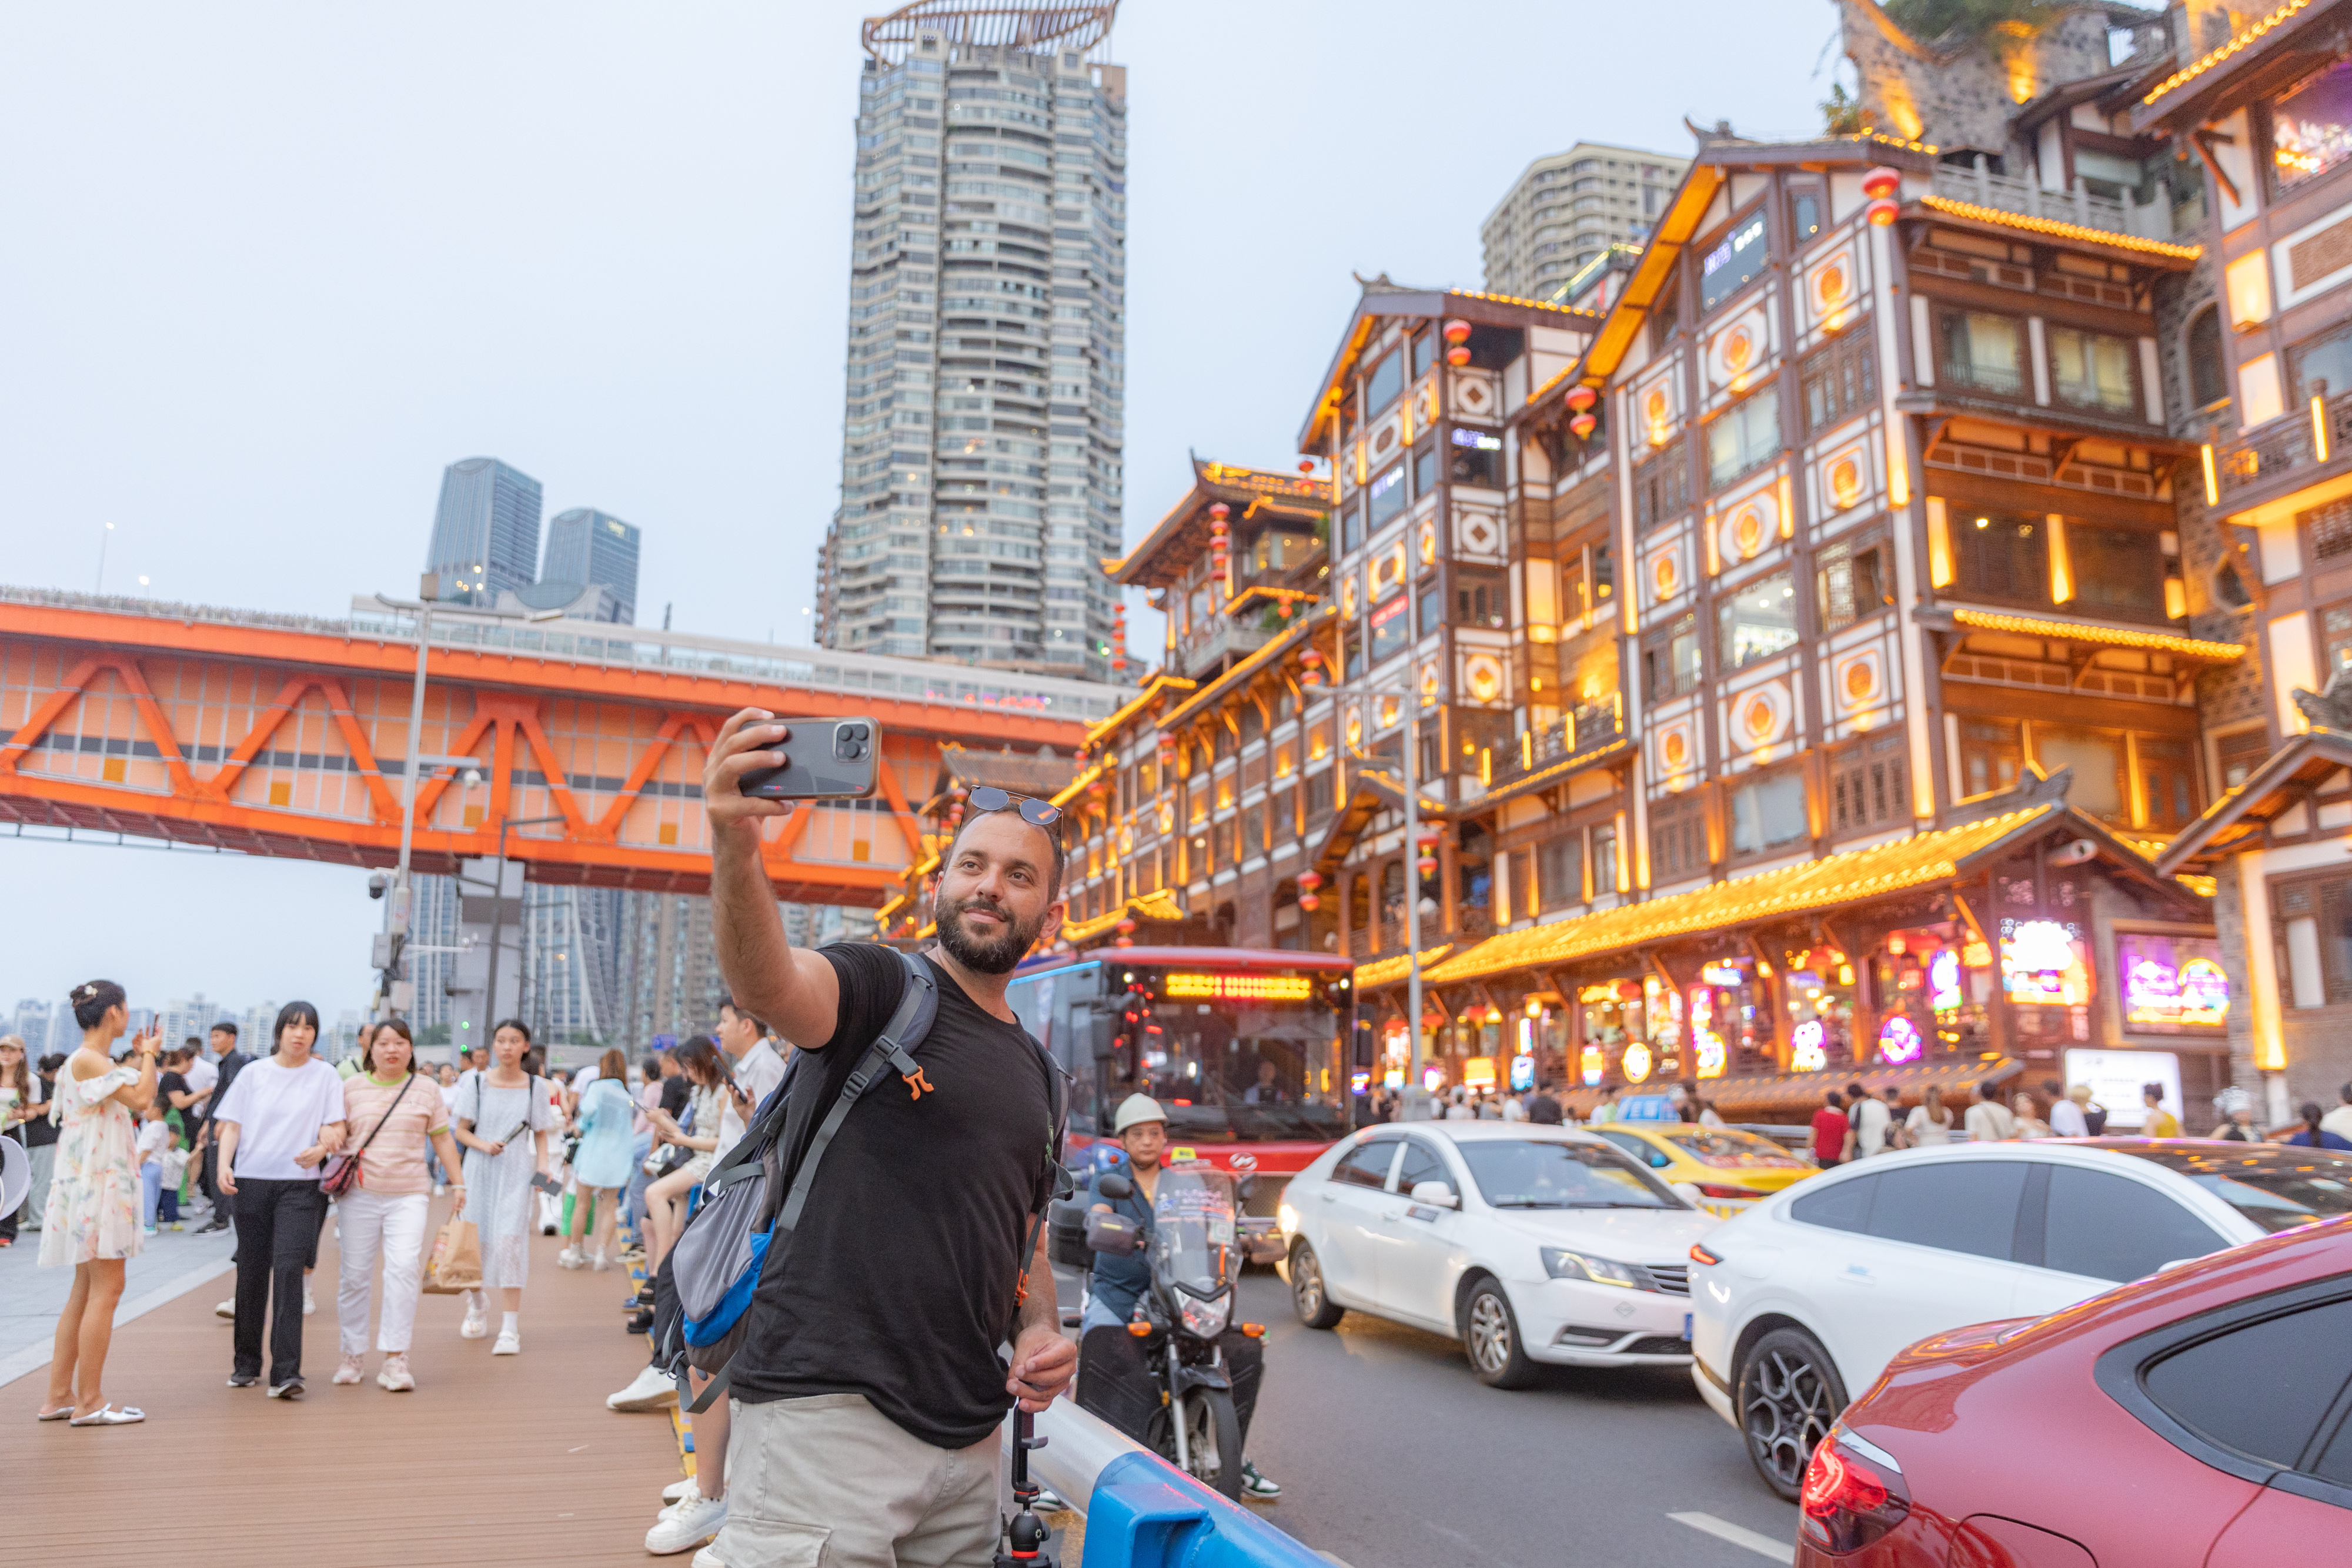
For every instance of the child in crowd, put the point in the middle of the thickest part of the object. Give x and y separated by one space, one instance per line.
154 1138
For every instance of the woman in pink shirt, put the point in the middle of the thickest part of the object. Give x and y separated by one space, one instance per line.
390 1112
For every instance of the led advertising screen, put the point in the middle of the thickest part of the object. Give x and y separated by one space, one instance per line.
2172 985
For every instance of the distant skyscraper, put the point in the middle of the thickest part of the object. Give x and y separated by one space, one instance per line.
31 1024
1566 209
486 531
980 479
585 545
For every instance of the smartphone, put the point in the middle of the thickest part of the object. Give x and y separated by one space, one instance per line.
547 1183
825 758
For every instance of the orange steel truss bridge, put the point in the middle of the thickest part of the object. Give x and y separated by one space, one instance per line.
282 736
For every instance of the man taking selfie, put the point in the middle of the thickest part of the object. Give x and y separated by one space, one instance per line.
868 1392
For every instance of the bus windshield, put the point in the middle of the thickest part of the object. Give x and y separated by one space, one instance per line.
1231 1068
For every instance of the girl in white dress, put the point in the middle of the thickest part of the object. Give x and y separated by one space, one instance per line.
504 1118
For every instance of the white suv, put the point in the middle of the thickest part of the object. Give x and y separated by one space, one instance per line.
1528 1244
1804 1299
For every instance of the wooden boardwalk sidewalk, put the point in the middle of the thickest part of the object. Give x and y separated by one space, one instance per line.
504 1460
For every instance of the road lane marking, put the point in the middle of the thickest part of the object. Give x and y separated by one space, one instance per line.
1738 1535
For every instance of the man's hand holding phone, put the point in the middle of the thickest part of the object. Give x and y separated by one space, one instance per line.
749 742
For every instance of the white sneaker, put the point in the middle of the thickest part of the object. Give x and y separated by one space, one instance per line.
676 1490
649 1391
309 1304
226 1309
476 1324
510 1343
350 1369
601 1264
692 1522
707 1558
396 1377
569 1257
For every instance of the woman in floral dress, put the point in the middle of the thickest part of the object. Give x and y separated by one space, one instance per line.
91 1220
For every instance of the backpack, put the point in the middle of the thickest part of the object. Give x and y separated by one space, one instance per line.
743 1205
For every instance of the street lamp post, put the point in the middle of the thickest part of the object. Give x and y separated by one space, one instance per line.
398 908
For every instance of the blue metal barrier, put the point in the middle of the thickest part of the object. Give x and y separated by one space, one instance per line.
1142 1511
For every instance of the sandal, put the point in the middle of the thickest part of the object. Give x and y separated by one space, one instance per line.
109 1416
62 1412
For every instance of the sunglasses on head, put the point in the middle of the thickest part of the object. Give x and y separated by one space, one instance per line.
1036 813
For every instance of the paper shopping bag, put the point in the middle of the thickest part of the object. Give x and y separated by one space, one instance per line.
457 1261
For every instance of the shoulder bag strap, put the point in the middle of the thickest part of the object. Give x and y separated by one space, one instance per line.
388 1110
917 1005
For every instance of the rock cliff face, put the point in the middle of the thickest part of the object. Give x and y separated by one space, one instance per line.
1960 92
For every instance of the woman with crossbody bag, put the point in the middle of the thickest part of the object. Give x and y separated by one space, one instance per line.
381 1191
504 1118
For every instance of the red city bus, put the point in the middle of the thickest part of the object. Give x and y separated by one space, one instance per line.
1244 1048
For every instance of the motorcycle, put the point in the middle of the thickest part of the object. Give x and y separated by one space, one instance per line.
1188 1416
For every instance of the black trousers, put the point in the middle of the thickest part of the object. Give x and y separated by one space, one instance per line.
277 1229
1116 1383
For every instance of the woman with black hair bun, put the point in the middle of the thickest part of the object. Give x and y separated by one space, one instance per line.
504 1116
280 1120
90 1220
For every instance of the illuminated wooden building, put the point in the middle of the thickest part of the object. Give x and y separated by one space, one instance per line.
2265 101
1854 522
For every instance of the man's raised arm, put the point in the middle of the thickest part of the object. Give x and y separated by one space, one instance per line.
798 992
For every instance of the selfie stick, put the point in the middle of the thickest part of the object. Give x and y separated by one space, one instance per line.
1024 1532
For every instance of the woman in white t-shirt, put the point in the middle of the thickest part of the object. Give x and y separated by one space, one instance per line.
1930 1122
280 1119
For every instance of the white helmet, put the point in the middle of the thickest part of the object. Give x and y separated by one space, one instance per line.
1135 1110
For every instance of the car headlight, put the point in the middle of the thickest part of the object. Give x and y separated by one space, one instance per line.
1561 1264
1285 1220
1207 1319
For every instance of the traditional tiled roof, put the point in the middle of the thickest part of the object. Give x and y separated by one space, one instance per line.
1387 971
1160 906
1037 773
1825 884
2109 636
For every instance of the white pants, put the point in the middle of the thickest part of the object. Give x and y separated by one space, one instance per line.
367 1223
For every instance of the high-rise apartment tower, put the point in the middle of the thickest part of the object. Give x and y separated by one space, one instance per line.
486 531
1567 209
980 455
586 546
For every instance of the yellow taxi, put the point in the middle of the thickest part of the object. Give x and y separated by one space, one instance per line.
1730 1168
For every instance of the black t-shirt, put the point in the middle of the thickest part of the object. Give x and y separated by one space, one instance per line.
675 1093
898 1283
1543 1110
169 1084
40 1130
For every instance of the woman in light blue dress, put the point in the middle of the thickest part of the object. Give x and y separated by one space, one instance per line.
600 1168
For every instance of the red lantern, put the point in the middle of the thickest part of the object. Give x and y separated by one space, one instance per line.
1457 331
1282 608
1308 881
1583 426
1881 180
1309 902
1882 212
1457 356
1428 865
1307 465
1220 512
1124 927
1581 397
1122 942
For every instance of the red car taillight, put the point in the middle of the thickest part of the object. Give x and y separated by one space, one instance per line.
1846 1502
1708 1189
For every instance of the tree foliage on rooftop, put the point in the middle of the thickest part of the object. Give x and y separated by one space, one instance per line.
1841 112
1932 21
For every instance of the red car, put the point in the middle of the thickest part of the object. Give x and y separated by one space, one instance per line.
2198 1418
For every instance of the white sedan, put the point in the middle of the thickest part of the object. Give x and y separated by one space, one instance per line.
1801 1301
1528 1244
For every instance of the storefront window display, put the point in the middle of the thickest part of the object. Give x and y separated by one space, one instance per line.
1730 1015
2045 971
1662 1005
1612 1027
1539 1040
2172 985
1819 986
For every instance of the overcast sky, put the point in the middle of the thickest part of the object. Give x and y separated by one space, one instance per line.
270 268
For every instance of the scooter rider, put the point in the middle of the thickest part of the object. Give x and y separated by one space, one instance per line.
1120 1282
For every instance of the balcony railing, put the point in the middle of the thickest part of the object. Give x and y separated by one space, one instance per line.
1575 734
2283 449
2008 193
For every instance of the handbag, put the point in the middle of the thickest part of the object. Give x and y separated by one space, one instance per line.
343 1170
457 1261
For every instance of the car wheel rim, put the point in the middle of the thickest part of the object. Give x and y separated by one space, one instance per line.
1307 1284
1786 1412
1490 1332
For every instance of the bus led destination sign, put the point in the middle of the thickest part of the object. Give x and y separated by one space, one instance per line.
1242 988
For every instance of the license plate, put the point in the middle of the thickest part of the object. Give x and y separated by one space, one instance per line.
1686 1323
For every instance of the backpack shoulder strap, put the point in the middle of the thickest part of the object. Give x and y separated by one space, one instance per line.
919 1004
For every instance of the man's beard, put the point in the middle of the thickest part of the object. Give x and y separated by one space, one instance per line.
995 957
